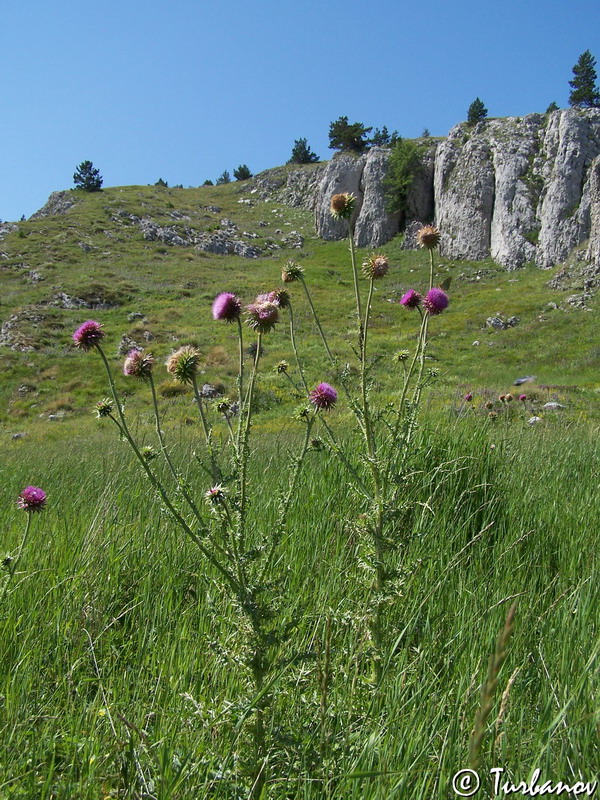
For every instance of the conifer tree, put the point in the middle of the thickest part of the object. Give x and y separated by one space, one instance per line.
477 112
242 173
87 177
348 136
584 90
302 154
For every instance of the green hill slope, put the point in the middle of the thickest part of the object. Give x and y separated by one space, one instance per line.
133 258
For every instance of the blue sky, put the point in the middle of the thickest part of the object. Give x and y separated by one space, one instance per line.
183 90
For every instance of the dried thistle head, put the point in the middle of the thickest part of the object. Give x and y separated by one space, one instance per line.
343 205
401 356
292 271
138 364
375 266
183 364
428 237
280 297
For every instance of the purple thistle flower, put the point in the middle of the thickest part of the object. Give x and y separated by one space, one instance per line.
88 335
262 315
436 300
468 397
323 397
32 499
227 306
280 297
522 397
411 299
138 364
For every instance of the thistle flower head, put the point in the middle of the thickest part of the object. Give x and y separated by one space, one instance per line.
281 368
522 397
223 407
375 266
493 415
88 335
138 364
343 205
401 356
262 316
509 398
32 499
215 495
436 300
502 398
280 297
468 397
428 237
227 306
149 453
292 271
489 405
323 397
104 407
411 299
183 364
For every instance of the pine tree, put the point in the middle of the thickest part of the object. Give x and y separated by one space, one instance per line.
224 177
242 173
346 136
87 177
585 92
302 154
477 112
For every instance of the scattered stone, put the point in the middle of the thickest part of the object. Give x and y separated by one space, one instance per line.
126 344
293 240
553 405
498 323
526 379
209 391
87 248
147 336
534 420
16 436
58 203
135 315
476 343
33 276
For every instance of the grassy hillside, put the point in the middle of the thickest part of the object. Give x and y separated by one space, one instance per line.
95 253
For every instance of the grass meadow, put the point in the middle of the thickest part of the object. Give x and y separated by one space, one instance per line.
122 663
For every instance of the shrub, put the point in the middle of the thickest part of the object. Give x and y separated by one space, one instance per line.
403 165
242 173
346 136
302 154
87 177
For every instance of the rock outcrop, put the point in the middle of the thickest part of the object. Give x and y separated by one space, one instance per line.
517 189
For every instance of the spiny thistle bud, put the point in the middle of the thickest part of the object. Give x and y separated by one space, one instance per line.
343 205
433 372
262 316
215 495
88 335
149 453
183 364
223 407
104 407
301 413
436 300
375 266
281 368
411 299
291 272
32 499
227 307
280 297
428 237
323 397
138 364
317 444
401 355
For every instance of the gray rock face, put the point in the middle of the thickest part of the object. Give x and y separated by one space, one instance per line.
517 189
593 253
58 203
343 174
374 224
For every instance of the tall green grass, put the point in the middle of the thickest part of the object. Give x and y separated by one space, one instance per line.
119 659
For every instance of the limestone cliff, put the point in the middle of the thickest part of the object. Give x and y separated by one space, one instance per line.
517 189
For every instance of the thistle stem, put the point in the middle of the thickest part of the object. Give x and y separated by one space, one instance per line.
12 568
293 340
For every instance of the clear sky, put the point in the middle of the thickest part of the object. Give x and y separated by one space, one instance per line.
183 90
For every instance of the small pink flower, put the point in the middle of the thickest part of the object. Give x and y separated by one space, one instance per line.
138 364
32 499
436 300
323 397
227 306
262 315
88 335
522 397
468 397
411 299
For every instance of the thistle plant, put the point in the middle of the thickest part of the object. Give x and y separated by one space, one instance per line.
32 500
386 435
218 518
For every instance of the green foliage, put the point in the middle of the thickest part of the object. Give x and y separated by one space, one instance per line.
584 90
425 134
477 112
208 182
347 136
87 177
403 165
302 154
383 138
552 107
224 177
160 182
242 173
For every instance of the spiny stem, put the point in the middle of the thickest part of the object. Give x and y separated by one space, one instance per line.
216 472
293 340
12 568
316 318
356 286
